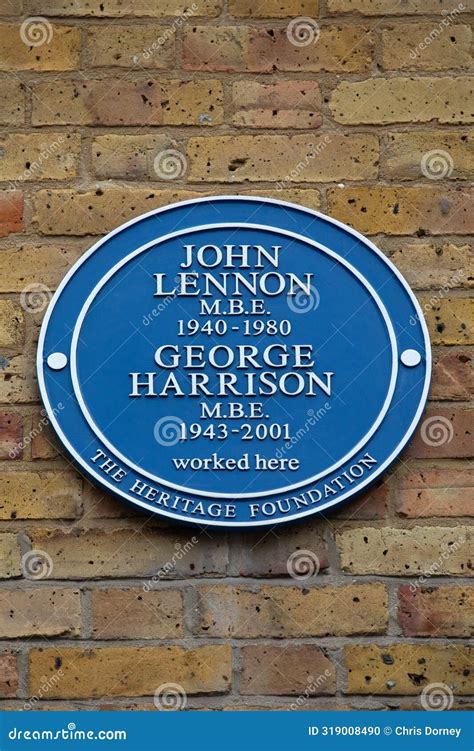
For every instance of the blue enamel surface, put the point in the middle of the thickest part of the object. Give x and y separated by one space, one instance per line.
346 329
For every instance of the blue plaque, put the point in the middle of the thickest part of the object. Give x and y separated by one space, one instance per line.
234 361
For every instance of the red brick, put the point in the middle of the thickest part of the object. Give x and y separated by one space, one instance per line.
444 433
452 376
135 614
44 443
11 212
286 670
436 611
118 101
258 553
436 492
283 104
11 435
339 49
372 504
8 675
243 48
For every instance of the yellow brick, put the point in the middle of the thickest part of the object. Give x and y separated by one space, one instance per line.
403 211
10 555
305 158
12 102
403 100
18 380
450 319
405 552
46 156
426 265
421 155
11 7
124 552
310 199
130 671
147 46
131 157
40 495
118 8
426 46
408 668
269 611
12 324
41 612
273 8
60 50
67 212
35 264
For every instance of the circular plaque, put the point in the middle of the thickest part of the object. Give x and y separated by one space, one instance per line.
234 361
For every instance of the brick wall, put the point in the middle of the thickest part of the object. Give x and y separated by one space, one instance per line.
101 103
